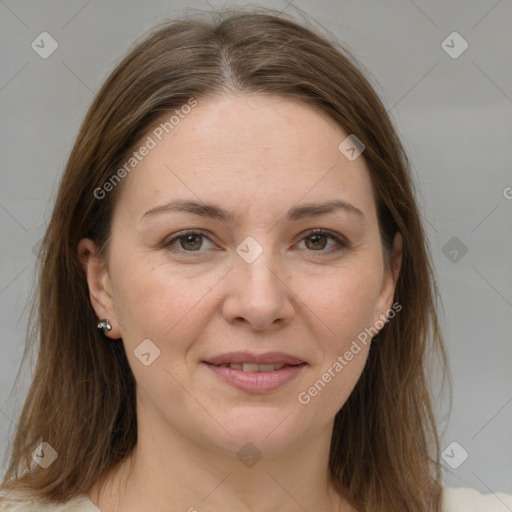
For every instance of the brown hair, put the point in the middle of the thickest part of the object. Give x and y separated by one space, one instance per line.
385 446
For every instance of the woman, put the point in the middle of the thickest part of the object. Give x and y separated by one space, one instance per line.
236 299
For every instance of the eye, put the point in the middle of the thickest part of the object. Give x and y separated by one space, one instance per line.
189 241
316 241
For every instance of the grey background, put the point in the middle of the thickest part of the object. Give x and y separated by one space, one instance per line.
453 114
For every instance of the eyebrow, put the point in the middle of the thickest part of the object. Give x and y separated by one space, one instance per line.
216 212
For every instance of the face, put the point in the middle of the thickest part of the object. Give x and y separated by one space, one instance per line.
254 278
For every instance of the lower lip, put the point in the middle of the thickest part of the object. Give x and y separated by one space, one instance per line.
257 382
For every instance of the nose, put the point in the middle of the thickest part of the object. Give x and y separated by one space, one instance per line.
258 293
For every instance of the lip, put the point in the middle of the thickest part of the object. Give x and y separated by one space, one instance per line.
247 357
257 382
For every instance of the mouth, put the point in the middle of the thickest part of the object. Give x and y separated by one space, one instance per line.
256 373
253 367
248 358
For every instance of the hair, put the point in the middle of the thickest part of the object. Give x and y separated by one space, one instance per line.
385 447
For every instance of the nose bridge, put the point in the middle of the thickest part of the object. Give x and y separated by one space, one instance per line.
258 265
259 293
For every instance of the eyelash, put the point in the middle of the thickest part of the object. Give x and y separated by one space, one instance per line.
340 242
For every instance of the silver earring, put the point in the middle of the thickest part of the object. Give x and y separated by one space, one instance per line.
104 325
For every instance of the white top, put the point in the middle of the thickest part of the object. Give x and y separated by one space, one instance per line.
460 499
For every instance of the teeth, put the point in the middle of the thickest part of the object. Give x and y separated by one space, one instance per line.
268 367
251 367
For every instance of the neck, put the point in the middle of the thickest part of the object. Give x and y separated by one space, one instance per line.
167 472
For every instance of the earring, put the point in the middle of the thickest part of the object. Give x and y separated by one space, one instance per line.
104 325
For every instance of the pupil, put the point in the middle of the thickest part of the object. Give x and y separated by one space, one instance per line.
188 239
316 239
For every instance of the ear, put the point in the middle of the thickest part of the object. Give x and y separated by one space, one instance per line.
100 289
390 279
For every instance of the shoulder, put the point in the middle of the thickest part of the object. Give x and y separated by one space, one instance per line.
465 499
13 502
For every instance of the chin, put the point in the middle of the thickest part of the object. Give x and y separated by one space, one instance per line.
267 432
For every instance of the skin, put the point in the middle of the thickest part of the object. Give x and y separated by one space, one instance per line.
258 156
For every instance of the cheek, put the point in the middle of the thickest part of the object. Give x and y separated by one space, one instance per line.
343 302
347 307
158 302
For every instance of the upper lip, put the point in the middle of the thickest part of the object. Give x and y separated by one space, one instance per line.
248 357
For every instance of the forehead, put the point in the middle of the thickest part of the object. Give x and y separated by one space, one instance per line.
248 150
